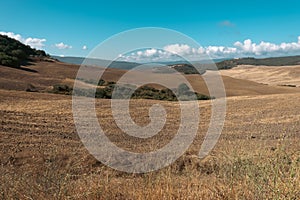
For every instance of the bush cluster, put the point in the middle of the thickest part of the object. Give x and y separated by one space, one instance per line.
127 91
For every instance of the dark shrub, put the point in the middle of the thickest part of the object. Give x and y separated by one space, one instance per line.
62 89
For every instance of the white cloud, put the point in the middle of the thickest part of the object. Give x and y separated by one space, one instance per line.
12 35
239 49
180 49
267 48
84 47
63 46
150 52
33 42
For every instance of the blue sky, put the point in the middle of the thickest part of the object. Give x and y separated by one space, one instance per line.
67 26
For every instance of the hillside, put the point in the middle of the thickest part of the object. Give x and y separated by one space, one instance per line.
274 61
231 63
14 53
42 76
271 75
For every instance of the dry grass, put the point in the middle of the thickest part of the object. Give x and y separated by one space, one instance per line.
257 156
271 75
273 177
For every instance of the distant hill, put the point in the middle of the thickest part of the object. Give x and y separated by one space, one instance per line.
186 67
192 62
230 63
273 61
130 65
14 53
97 62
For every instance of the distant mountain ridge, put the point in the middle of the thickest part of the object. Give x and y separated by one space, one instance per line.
272 61
98 62
127 64
224 63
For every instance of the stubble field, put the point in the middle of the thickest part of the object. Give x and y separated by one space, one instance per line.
257 156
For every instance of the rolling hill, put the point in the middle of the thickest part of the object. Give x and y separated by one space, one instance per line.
43 75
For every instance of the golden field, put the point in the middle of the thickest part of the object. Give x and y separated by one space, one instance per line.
42 157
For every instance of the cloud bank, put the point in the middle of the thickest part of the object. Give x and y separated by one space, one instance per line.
247 48
32 42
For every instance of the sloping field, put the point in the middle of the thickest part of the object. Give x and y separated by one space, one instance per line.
43 75
271 75
42 157
257 156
